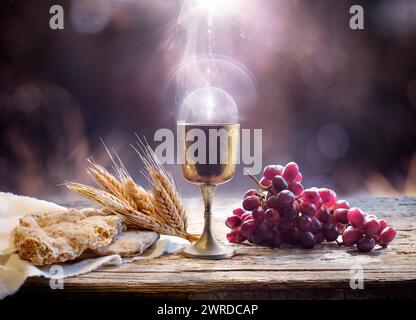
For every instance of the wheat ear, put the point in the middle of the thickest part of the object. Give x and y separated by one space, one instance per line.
110 183
161 178
139 196
164 181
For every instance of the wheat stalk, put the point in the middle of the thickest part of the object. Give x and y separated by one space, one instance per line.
133 218
161 211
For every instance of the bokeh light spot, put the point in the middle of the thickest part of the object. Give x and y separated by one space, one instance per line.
90 16
27 97
333 141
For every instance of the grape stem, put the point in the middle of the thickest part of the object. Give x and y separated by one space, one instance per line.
257 183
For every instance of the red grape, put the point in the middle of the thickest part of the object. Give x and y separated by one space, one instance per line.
307 208
277 239
341 204
284 236
371 227
330 232
328 196
319 237
269 194
285 197
351 236
272 216
279 184
290 211
386 236
341 227
290 171
315 225
265 182
383 224
323 214
285 225
232 236
265 231
238 212
272 202
341 215
233 221
257 238
298 178
304 223
356 217
251 192
258 215
246 216
294 236
280 169
331 218
296 188
366 244
251 202
312 196
307 240
272 170
247 228
240 237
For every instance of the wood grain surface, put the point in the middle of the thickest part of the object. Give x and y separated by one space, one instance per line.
258 272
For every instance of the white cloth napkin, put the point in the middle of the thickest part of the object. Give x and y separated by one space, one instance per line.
14 271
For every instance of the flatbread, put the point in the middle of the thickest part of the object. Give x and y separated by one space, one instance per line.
47 238
129 243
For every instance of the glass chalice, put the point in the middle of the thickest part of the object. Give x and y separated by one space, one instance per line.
211 113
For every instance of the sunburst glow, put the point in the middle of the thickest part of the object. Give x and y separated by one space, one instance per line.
216 7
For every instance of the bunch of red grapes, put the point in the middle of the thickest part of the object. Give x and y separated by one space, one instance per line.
281 211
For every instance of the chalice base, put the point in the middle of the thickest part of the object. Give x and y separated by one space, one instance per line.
207 247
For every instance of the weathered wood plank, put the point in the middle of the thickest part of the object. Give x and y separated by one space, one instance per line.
257 272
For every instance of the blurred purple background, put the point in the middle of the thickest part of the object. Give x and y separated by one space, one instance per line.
340 102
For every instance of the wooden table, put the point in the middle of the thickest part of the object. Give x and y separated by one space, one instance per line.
262 273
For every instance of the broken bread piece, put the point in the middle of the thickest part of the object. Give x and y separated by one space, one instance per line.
128 243
46 238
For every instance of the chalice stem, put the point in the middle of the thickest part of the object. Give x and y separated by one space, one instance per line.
208 191
208 247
